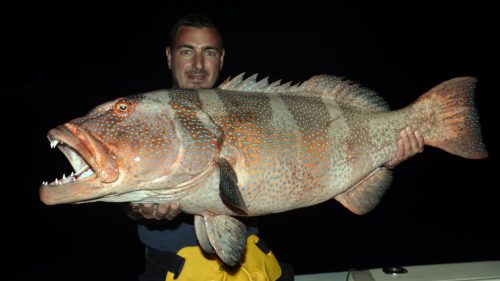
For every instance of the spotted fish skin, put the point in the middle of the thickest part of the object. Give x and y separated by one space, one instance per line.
251 148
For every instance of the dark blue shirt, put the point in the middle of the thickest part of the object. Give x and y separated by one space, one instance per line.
165 235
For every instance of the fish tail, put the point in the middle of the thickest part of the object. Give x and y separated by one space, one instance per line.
454 120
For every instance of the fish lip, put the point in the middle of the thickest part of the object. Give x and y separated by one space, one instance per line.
85 153
85 189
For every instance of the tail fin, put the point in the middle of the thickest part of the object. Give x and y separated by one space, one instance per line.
457 129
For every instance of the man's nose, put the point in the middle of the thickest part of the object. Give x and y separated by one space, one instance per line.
198 61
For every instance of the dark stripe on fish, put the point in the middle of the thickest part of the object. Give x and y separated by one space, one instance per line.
313 127
247 107
309 122
186 97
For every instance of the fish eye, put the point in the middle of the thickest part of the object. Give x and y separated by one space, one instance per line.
123 107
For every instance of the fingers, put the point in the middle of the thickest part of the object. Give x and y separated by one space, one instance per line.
157 211
410 143
148 208
168 210
162 210
420 140
415 143
401 152
173 211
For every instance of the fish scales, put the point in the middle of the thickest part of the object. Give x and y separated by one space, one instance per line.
292 162
269 150
251 148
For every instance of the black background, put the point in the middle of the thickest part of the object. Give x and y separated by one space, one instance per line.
61 58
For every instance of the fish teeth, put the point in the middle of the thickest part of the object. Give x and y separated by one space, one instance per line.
83 172
53 143
64 180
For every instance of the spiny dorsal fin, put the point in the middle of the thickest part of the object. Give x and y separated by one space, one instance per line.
341 90
344 91
251 84
231 83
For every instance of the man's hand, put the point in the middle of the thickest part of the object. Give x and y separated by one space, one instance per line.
409 144
155 211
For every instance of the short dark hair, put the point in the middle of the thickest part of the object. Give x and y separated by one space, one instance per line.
194 20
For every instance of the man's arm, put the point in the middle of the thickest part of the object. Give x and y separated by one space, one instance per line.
410 143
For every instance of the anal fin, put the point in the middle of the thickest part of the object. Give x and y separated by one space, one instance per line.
366 194
223 234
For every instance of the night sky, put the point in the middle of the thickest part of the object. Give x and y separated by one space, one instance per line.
59 59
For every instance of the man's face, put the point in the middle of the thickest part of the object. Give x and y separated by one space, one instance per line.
196 59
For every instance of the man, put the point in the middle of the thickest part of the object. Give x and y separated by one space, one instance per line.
196 56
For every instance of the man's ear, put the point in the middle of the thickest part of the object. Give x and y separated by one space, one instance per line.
169 57
222 58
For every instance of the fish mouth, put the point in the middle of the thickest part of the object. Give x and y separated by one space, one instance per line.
92 163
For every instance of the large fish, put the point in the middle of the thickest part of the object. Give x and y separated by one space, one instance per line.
251 148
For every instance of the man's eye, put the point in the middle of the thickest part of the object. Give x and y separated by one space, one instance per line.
211 53
185 52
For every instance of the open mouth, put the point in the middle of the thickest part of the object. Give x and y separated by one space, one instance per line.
81 168
92 163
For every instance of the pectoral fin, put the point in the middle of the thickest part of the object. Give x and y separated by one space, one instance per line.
228 188
224 234
366 194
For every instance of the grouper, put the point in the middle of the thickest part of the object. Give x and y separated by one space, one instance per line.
251 148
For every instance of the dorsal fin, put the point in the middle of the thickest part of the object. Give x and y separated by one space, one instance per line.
251 84
344 91
341 90
231 83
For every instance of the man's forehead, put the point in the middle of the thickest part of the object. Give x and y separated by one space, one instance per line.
197 37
